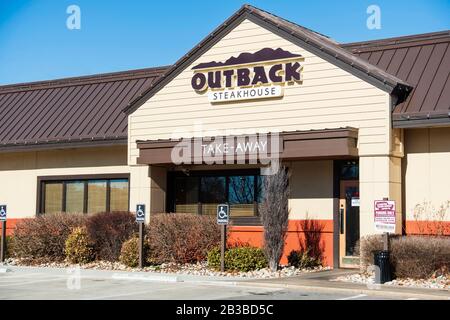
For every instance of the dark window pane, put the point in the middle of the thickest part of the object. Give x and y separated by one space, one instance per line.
241 189
119 195
96 196
74 196
186 194
212 193
349 170
53 197
241 194
260 188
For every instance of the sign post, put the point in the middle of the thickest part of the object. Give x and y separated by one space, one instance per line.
3 243
222 220
140 218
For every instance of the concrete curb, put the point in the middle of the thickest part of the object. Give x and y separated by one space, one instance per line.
373 292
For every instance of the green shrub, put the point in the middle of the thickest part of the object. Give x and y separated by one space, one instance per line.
43 238
302 259
181 238
108 231
129 254
78 246
239 259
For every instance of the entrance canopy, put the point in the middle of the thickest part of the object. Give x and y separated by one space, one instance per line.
292 145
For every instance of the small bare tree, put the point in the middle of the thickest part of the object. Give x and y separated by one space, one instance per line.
274 213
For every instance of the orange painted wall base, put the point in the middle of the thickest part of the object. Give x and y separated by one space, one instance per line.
10 224
319 233
428 228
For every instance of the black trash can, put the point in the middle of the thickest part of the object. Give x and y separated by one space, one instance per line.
382 261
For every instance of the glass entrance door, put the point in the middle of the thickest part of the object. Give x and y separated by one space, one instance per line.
348 222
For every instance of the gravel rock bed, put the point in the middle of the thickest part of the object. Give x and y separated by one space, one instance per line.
439 282
198 269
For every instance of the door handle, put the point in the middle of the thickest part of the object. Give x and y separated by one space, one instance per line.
341 220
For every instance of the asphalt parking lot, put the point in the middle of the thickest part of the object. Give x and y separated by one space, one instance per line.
76 284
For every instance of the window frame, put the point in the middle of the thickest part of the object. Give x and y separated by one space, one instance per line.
40 195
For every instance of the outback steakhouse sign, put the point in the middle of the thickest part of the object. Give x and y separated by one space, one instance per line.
262 74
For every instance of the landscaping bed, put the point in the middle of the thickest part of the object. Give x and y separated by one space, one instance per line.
437 282
177 244
197 269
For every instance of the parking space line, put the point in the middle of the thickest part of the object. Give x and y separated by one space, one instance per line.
149 290
354 297
17 283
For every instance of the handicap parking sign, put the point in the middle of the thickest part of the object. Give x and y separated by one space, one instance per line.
222 214
140 213
3 212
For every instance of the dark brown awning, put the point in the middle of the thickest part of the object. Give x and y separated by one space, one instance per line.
293 145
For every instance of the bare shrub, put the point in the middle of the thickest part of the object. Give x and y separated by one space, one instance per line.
420 256
312 244
411 256
181 238
43 238
274 212
365 247
108 231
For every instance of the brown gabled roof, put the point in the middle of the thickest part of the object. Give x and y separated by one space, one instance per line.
421 60
317 43
72 111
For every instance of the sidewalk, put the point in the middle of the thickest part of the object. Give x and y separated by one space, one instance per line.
320 282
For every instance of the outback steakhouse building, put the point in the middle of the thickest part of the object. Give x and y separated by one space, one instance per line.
354 122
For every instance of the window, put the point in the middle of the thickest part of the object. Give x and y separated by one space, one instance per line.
74 196
96 196
201 192
118 195
88 195
53 197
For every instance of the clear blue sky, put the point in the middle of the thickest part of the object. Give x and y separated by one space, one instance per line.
35 43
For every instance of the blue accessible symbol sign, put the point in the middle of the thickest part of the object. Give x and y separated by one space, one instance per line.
3 212
222 214
140 213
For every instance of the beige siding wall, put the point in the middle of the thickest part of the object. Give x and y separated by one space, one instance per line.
426 170
311 185
19 172
328 98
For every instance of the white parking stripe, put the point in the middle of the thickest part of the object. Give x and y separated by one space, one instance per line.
354 297
30 282
150 290
412 299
